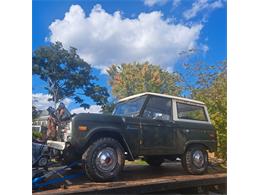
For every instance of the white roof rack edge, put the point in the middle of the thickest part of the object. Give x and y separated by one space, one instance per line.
162 95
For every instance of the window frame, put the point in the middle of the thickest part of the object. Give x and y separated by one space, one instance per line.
147 101
175 112
141 109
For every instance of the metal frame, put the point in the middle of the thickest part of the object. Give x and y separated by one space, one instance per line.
175 115
147 101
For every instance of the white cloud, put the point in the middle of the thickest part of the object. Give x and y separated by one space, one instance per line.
205 48
176 3
67 101
41 102
216 4
103 39
201 5
92 109
151 3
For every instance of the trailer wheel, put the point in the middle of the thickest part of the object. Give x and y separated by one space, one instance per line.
154 161
104 159
195 160
43 161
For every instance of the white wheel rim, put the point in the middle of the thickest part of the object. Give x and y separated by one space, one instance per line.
198 159
106 159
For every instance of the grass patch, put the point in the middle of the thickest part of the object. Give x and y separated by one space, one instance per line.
136 162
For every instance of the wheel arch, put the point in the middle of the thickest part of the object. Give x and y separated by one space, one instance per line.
112 133
206 144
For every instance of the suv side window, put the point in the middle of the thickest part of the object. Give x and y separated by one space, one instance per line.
158 108
191 112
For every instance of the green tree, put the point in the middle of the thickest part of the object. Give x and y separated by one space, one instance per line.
210 86
130 79
66 75
34 112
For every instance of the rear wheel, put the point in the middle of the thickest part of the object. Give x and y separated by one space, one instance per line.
104 159
154 161
195 160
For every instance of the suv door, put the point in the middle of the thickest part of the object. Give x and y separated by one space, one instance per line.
157 127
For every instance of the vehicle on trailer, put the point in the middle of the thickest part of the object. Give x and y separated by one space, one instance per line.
154 126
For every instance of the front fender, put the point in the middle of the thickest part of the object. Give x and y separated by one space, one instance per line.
113 132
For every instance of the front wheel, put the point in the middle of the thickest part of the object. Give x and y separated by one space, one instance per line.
195 160
104 159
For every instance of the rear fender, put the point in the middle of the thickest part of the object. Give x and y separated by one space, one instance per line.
210 145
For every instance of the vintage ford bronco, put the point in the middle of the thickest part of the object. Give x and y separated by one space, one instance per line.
149 125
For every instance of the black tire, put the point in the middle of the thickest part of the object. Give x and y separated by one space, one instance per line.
104 159
183 163
69 156
195 160
153 161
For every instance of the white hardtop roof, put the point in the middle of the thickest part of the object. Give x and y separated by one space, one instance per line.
161 95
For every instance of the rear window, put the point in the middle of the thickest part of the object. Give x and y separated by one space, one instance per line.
191 112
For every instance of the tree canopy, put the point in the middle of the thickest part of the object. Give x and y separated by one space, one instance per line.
130 79
35 112
67 75
210 86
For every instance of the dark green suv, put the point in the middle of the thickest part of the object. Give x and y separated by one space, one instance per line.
149 125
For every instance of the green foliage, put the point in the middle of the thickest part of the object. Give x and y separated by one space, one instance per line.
136 162
211 88
130 79
37 135
34 112
66 75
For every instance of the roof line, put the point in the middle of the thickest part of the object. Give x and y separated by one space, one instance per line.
161 95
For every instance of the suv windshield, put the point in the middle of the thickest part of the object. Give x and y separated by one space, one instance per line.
130 107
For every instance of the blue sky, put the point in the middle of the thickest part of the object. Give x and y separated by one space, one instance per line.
157 31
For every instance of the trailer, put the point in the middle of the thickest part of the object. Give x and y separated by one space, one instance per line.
143 179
